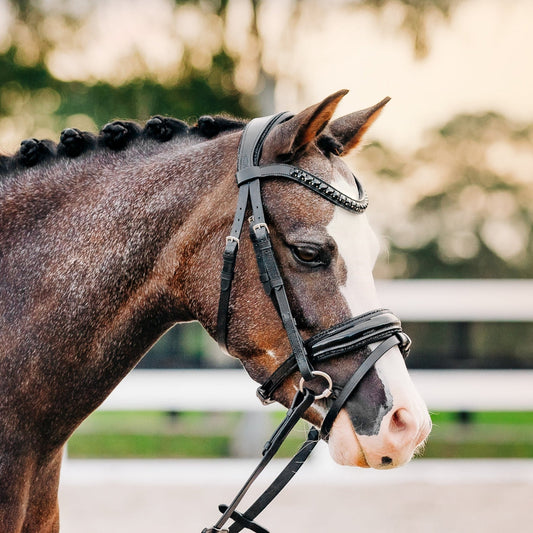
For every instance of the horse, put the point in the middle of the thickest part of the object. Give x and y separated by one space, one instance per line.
109 240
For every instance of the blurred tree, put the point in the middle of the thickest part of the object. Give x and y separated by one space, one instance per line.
415 17
36 101
209 64
462 205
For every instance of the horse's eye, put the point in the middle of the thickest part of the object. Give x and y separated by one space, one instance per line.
307 254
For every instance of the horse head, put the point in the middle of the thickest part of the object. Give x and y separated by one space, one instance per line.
325 255
110 239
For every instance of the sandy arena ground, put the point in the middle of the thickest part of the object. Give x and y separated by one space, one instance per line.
426 496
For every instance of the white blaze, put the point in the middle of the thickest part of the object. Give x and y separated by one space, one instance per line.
358 248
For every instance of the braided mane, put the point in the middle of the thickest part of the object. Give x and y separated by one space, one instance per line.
119 135
115 136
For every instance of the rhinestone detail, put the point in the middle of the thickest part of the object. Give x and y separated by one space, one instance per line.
330 192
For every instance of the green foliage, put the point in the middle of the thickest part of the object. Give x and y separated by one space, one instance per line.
33 101
191 97
147 446
155 434
489 434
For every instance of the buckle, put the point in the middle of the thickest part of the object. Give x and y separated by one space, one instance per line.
256 227
405 343
263 398
231 238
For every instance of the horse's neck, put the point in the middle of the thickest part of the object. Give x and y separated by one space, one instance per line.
95 278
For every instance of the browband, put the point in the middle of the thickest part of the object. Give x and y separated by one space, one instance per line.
316 184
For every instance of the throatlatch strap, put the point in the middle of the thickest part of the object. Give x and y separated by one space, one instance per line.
228 267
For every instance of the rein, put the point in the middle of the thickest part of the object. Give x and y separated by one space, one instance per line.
380 328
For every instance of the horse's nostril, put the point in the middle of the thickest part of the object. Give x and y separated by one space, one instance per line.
386 461
400 420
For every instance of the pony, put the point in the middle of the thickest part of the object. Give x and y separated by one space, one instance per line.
108 240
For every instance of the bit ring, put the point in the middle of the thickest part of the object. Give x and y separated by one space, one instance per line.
319 374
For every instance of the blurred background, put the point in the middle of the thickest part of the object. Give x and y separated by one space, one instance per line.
448 166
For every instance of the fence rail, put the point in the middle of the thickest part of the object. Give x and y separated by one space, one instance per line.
412 300
459 300
233 390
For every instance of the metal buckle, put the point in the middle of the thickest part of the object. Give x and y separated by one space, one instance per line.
327 391
255 227
265 400
231 238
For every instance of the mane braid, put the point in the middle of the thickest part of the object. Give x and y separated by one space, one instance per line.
115 136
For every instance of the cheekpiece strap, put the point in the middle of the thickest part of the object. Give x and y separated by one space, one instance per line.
248 155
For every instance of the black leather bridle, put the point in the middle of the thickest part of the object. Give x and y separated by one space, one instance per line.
378 330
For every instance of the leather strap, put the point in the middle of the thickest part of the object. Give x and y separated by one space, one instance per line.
277 485
302 401
348 389
228 267
275 288
248 156
307 179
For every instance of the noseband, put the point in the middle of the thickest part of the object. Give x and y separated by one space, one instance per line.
378 330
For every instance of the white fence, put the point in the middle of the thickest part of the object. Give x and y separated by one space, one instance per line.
412 300
233 390
456 300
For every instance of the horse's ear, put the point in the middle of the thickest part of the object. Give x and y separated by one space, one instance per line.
300 130
349 130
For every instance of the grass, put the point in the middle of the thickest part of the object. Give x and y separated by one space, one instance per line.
203 435
483 435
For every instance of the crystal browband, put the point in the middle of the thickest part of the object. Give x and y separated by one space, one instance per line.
316 184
